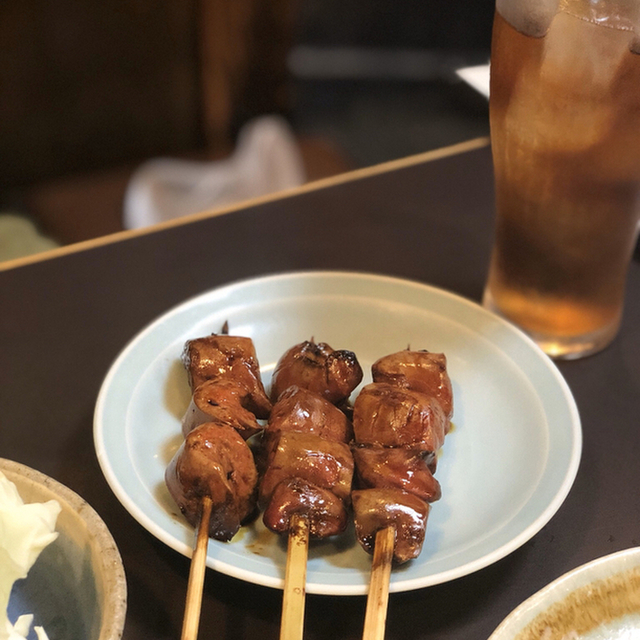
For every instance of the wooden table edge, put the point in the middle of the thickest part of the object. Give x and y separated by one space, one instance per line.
357 174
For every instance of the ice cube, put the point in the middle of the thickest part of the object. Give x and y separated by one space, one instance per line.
583 57
567 99
530 17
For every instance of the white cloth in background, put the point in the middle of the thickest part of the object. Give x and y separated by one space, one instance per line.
266 159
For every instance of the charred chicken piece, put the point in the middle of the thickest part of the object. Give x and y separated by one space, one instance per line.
326 464
221 401
301 410
376 509
397 468
318 368
389 416
421 371
223 357
214 461
325 512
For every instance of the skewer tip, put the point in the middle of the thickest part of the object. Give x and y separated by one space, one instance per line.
378 597
193 604
293 599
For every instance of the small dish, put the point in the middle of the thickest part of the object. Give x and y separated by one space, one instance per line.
505 469
76 589
599 600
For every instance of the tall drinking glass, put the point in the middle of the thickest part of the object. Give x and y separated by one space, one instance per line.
565 135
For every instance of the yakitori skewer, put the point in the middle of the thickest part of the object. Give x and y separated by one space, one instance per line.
304 488
308 464
400 423
213 476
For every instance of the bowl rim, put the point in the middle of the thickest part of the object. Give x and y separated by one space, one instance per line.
116 594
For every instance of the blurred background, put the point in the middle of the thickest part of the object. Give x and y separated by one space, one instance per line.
91 89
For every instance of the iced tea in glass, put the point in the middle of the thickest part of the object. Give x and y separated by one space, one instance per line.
565 135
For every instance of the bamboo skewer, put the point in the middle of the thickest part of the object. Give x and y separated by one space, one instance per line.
193 604
293 600
378 597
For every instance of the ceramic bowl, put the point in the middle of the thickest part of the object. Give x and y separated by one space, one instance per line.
76 589
599 600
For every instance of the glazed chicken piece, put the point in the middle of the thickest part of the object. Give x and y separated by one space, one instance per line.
302 410
214 461
224 357
389 416
400 421
325 512
323 463
221 401
376 509
421 371
309 466
397 468
318 368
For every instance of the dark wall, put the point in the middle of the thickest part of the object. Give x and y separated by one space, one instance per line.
421 24
88 83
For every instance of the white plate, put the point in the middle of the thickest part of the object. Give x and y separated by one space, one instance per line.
598 601
505 469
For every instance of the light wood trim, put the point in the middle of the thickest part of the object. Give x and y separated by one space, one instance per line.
342 178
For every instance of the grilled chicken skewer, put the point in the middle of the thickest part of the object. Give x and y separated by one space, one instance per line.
308 462
400 422
306 486
214 460
213 476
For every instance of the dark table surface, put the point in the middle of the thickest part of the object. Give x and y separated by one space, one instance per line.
66 316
